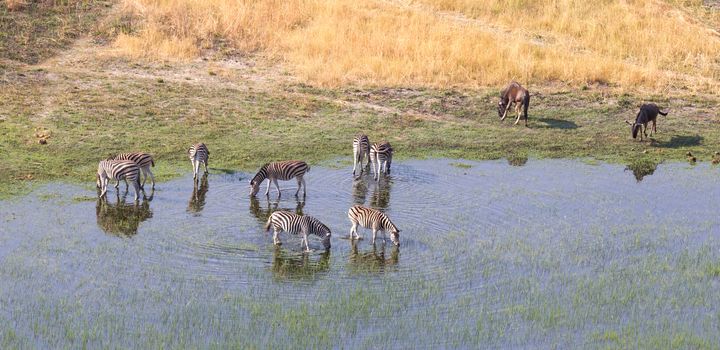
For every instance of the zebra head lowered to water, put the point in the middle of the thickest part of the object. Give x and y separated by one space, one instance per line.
373 219
275 171
296 224
118 170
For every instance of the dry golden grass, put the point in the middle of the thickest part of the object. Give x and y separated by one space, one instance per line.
643 43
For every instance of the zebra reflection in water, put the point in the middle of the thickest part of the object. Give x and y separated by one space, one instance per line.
197 200
291 265
375 260
262 213
122 219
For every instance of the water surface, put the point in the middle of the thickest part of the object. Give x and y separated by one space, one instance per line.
539 254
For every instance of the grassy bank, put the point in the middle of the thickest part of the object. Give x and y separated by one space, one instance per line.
88 113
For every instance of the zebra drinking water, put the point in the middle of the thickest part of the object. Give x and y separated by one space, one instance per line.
373 219
198 154
143 160
296 224
118 170
275 171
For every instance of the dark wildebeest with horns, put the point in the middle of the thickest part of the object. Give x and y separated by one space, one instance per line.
514 93
648 113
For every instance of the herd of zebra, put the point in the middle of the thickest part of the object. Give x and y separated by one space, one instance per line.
131 167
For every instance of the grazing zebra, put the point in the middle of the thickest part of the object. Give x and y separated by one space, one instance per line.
275 171
117 170
198 154
143 160
381 157
293 223
361 149
373 219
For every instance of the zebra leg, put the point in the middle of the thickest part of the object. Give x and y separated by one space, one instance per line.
152 177
304 187
206 168
276 240
374 235
127 186
136 186
144 175
307 246
299 182
197 169
278 187
355 159
353 231
117 184
377 162
103 186
267 192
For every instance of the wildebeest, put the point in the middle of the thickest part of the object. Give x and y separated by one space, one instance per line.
648 113
514 93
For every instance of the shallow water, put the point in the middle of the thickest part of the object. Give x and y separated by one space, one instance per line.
543 253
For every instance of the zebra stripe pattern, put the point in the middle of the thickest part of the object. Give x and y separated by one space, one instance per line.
118 170
361 149
198 154
381 157
296 224
373 219
143 160
285 170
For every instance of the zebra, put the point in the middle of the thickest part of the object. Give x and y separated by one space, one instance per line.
373 219
143 160
293 223
361 149
198 154
381 157
275 171
118 169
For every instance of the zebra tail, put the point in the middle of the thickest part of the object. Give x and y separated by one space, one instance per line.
152 162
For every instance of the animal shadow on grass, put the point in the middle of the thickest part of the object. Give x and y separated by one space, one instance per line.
556 124
678 141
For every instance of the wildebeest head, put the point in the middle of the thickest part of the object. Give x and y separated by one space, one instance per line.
634 128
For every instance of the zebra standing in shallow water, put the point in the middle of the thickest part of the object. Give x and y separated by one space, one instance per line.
143 160
361 149
275 171
381 157
373 219
198 154
293 223
118 169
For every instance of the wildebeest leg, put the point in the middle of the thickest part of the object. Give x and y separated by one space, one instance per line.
654 128
507 108
517 112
